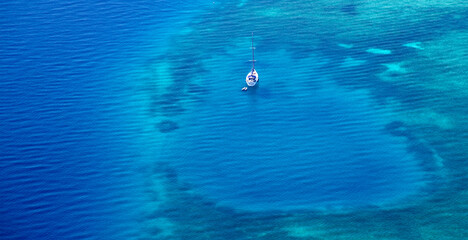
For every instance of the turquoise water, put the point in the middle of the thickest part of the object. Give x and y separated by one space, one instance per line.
127 120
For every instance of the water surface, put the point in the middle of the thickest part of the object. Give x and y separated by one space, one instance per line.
126 120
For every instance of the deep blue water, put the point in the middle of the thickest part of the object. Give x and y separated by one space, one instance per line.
125 120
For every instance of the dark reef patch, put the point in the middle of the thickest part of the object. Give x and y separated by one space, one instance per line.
397 128
167 104
349 9
167 126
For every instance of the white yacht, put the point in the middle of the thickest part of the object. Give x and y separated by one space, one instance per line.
252 76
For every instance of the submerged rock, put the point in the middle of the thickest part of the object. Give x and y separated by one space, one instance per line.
395 68
343 45
378 51
167 126
416 45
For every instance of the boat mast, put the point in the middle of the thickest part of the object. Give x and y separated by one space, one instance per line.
253 56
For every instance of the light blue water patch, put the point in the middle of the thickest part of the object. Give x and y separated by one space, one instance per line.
352 62
242 3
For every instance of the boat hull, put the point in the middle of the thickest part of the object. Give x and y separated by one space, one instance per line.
252 78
